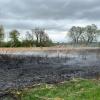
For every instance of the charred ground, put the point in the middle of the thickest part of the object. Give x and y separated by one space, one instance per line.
22 70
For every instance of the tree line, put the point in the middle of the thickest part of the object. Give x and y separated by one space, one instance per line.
36 38
87 34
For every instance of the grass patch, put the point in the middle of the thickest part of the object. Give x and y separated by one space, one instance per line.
77 89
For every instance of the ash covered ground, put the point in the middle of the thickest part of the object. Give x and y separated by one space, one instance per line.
24 69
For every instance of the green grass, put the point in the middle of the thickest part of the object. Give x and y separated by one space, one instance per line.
78 89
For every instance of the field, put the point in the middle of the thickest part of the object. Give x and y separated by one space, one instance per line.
59 48
54 68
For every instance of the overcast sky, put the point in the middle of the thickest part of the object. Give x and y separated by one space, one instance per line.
56 16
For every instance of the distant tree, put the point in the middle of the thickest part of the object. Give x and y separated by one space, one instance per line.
91 31
1 34
29 36
28 41
90 34
36 32
41 37
86 34
14 34
75 33
46 41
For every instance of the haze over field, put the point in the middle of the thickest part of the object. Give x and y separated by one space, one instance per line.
57 16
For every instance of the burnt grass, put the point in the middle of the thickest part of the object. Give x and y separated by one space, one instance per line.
19 71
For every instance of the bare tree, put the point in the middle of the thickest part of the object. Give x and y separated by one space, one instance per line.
75 33
29 36
1 34
37 32
29 40
90 33
83 34
40 35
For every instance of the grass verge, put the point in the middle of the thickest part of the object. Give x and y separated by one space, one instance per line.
77 89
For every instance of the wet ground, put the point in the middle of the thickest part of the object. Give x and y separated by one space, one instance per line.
23 69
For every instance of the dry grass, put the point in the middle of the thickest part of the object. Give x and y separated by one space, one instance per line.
7 50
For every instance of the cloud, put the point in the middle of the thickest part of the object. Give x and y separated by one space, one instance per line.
47 9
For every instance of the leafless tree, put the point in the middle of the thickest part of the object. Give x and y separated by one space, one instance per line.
1 33
75 33
40 35
83 34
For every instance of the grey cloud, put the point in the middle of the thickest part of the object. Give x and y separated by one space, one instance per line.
29 24
47 9
47 13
